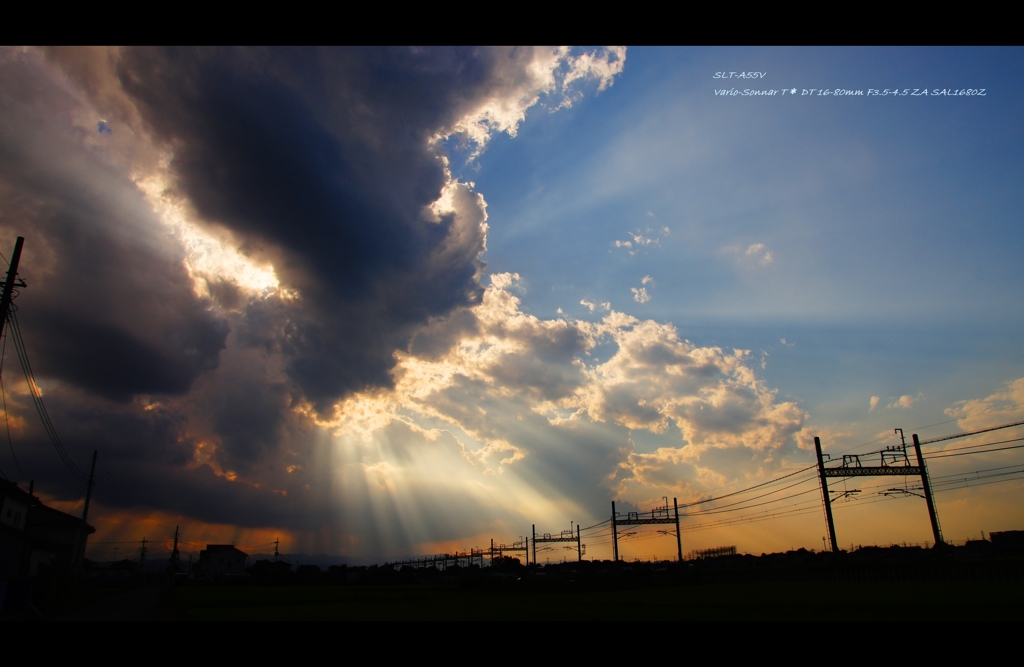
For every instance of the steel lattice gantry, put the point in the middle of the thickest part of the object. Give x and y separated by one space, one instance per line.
658 515
521 545
851 467
564 536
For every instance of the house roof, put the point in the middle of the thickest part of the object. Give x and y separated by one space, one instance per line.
11 489
221 548
41 515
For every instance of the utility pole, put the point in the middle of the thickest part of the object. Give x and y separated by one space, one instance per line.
534 526
579 549
932 516
83 535
12 274
615 537
276 543
142 555
825 497
679 535
88 489
5 306
175 563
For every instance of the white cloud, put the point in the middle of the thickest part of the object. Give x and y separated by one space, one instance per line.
602 64
640 295
903 402
993 410
873 403
646 279
759 254
523 389
639 240
529 74
756 255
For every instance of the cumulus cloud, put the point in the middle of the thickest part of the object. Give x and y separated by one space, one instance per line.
517 383
993 410
759 253
224 242
261 296
640 295
110 307
638 240
519 79
902 402
873 403
591 306
756 255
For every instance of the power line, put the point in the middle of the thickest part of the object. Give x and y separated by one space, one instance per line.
969 472
717 510
921 428
964 435
37 398
971 486
984 444
985 451
749 488
3 393
964 480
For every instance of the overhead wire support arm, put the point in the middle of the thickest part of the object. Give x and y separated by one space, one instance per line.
894 462
658 515
564 536
522 545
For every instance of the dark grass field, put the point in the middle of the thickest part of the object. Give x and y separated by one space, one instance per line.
760 601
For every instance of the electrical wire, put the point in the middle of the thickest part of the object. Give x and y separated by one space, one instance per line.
969 472
37 398
985 451
921 428
971 486
749 488
965 480
3 394
978 432
984 444
718 510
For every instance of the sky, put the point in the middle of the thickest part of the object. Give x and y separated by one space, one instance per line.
377 303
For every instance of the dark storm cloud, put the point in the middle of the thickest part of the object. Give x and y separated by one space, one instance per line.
146 460
320 161
317 161
109 306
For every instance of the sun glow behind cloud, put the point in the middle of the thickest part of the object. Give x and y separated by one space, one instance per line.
401 402
483 416
207 256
